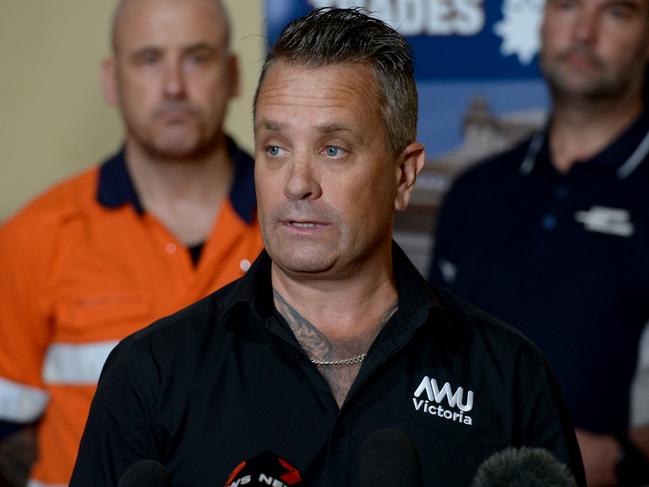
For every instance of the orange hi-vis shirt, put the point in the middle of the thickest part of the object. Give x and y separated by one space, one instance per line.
83 266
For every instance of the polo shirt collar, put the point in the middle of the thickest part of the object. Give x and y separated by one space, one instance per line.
623 155
115 186
416 298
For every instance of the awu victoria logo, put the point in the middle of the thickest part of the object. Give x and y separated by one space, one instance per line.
443 402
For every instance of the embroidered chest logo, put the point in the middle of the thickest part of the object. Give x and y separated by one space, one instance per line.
430 399
613 221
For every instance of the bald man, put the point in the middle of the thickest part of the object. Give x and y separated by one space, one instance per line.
163 222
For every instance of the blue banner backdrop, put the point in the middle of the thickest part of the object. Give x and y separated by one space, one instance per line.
480 89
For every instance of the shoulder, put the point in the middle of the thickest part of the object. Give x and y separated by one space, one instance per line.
497 170
40 219
488 339
59 201
176 342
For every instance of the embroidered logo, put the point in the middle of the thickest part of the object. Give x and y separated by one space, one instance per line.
435 397
612 221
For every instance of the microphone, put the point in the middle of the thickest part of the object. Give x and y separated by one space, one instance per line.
528 467
265 469
389 457
145 473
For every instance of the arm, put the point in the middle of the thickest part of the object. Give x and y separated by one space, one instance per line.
611 461
547 422
17 454
24 333
121 428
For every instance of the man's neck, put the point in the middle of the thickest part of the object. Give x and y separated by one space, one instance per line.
185 195
581 129
335 323
339 307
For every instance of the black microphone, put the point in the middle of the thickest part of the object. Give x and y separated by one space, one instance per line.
265 469
389 457
528 467
145 473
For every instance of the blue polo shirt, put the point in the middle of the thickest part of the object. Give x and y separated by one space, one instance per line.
563 257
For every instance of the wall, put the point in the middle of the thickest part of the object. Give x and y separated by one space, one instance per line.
53 120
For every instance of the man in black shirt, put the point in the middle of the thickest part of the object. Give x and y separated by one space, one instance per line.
332 334
553 235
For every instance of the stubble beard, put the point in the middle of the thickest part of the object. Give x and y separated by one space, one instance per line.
601 86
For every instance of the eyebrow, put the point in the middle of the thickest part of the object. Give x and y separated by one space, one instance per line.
331 128
327 128
198 46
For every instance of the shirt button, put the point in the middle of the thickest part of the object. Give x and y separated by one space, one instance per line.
561 192
171 248
549 222
244 265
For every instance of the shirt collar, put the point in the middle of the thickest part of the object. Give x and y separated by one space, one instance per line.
115 187
622 155
415 296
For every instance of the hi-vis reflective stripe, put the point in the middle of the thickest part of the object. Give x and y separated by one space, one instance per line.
76 364
20 403
36 483
639 416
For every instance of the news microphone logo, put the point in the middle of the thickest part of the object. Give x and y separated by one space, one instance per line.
265 469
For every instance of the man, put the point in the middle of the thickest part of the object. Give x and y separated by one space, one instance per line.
332 334
552 236
161 224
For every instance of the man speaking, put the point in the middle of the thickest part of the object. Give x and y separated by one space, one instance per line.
332 334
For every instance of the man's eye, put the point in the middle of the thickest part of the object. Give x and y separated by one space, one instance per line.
198 58
334 151
149 57
565 4
273 150
620 12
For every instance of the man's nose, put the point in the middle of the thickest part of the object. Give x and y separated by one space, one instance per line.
586 27
174 80
302 181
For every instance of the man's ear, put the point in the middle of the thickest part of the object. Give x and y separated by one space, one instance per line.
109 82
235 76
410 163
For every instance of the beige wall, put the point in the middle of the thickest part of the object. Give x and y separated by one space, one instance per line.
53 121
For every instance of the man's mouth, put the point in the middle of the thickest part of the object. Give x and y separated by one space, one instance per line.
304 224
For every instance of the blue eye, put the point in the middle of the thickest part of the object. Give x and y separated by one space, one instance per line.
272 150
335 152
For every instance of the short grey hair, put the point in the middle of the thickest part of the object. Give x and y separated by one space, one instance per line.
329 36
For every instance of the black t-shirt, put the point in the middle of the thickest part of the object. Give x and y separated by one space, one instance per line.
225 379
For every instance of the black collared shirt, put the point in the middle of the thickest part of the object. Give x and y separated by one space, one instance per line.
563 257
225 379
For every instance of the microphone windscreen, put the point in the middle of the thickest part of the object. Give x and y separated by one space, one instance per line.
529 467
389 457
145 473
265 469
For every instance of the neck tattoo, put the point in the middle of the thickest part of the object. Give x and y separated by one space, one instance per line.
318 347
